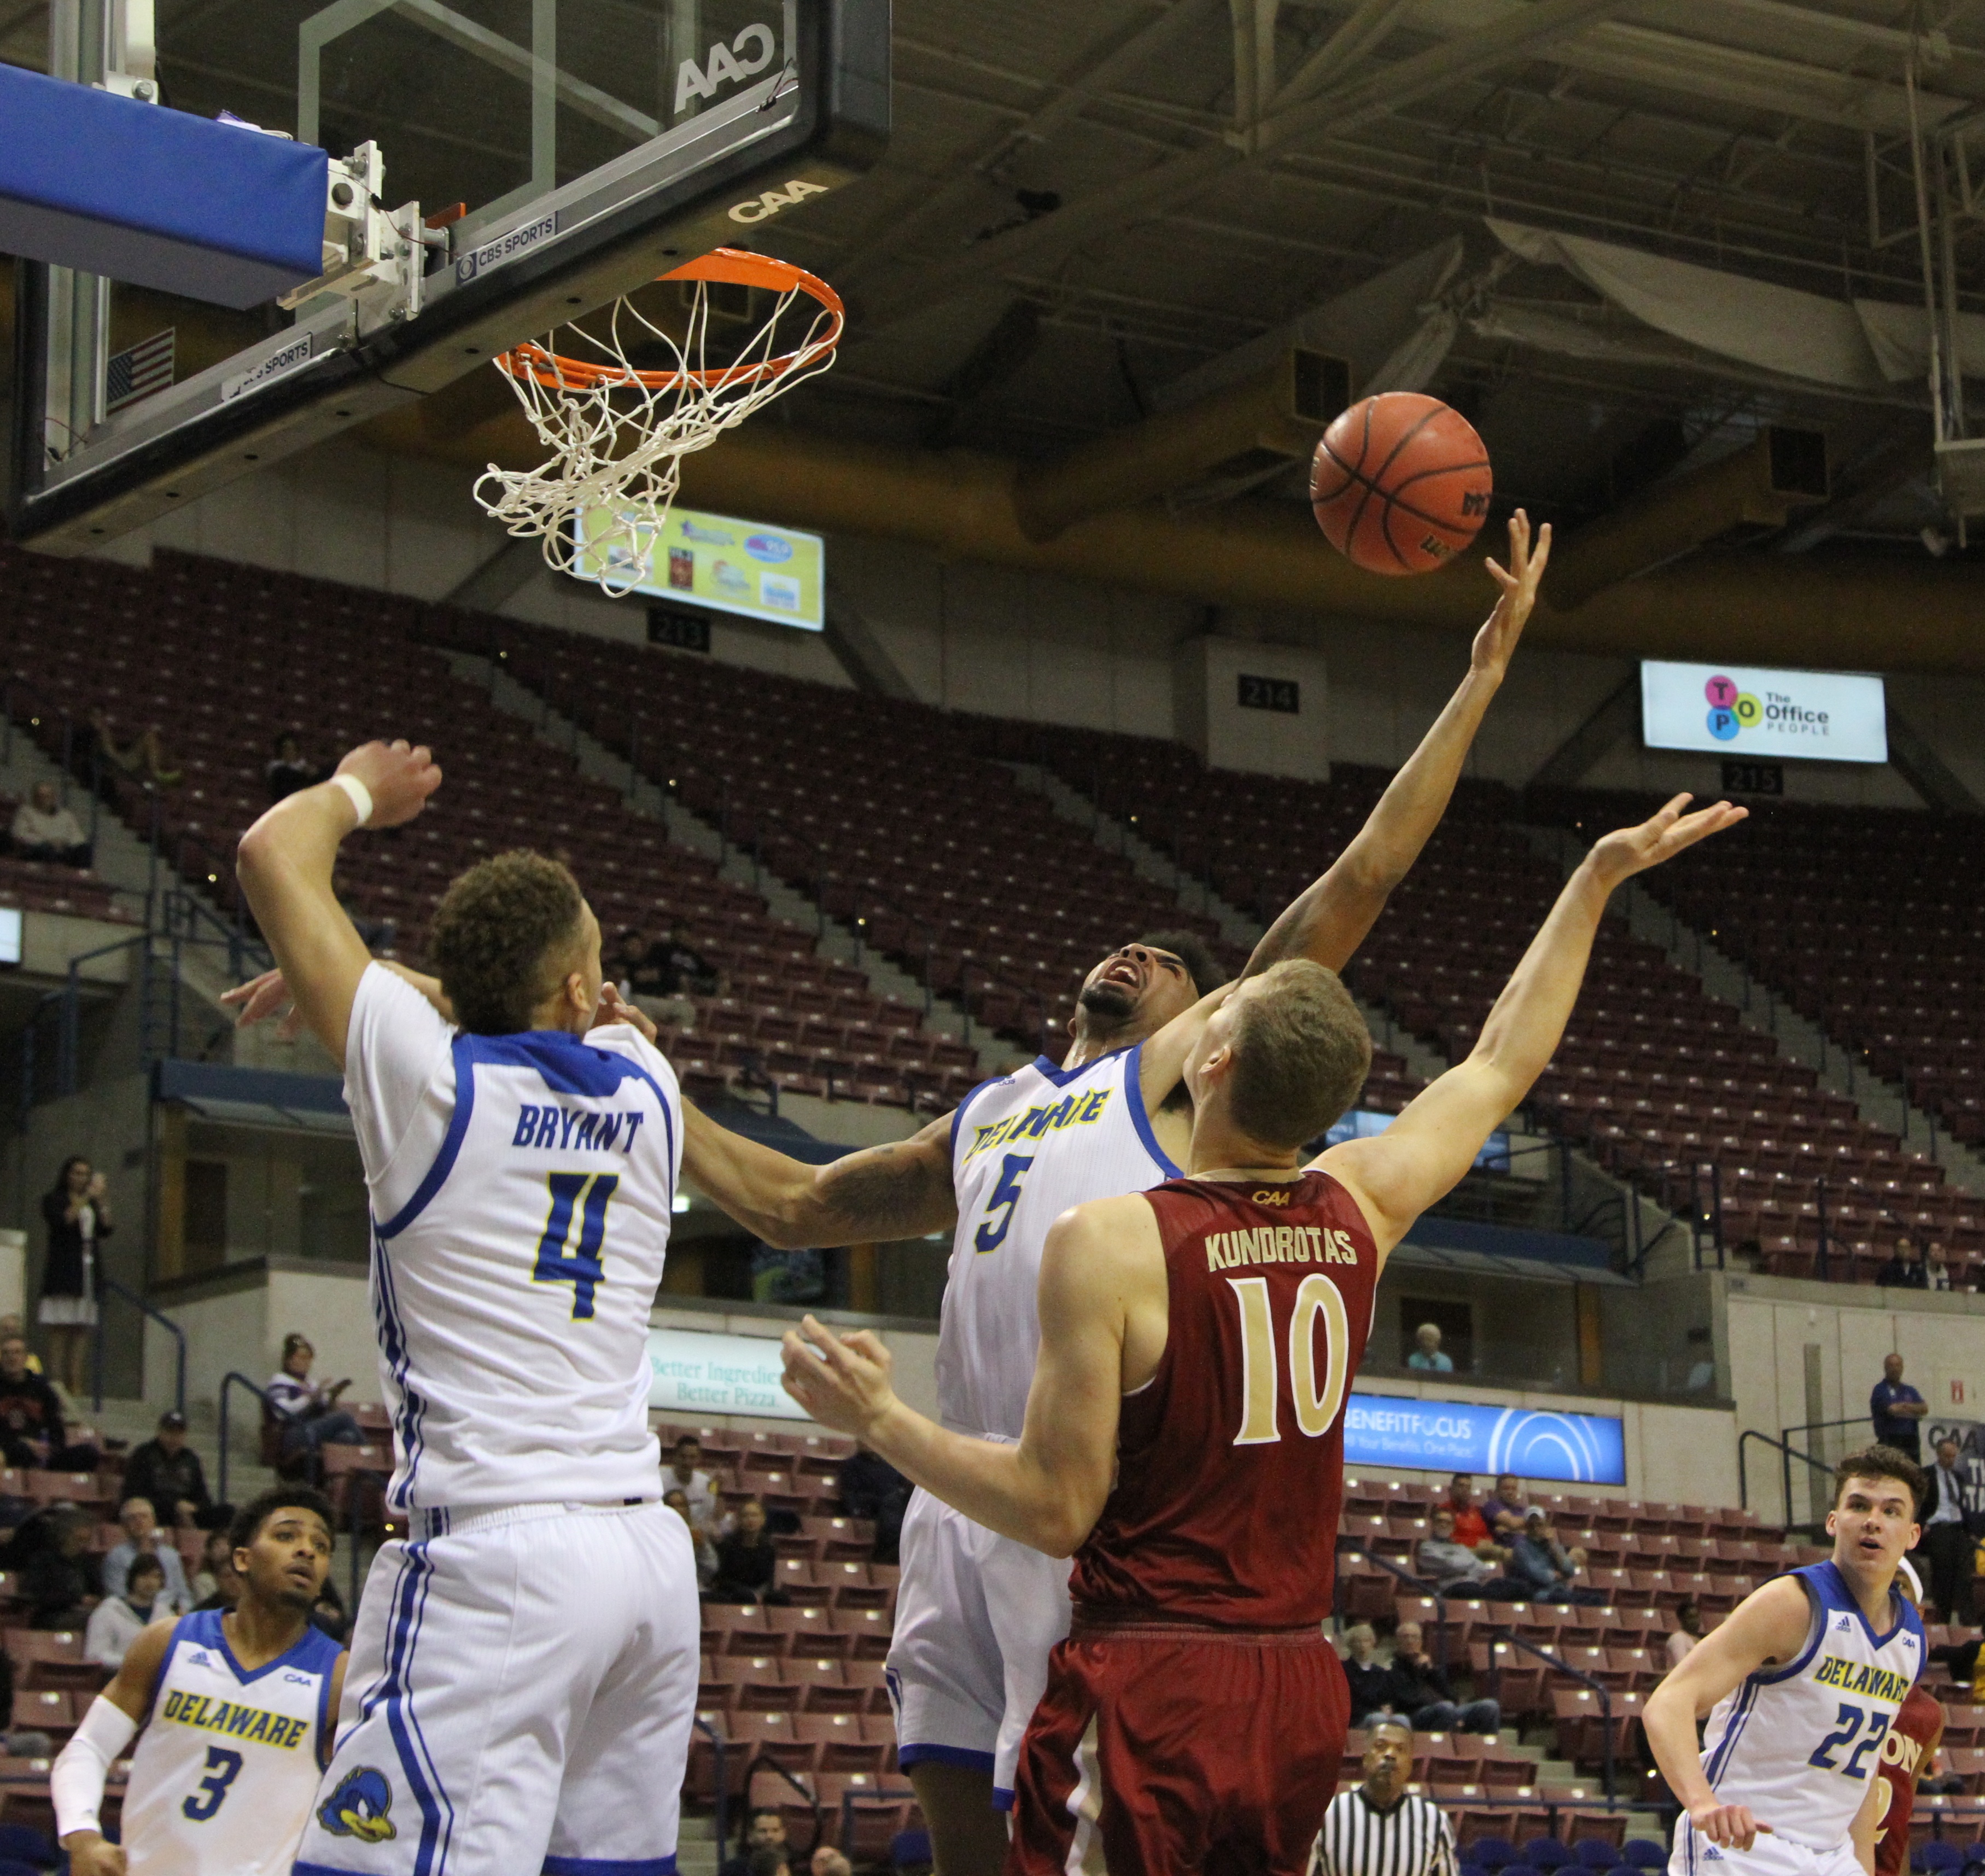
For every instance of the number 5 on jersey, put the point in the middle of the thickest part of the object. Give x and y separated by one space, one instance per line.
587 1194
1005 1195
1261 1378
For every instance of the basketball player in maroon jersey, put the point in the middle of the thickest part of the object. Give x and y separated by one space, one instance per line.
1909 1749
1184 1435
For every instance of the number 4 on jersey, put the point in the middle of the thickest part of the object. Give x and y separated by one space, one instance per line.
587 1193
1261 1381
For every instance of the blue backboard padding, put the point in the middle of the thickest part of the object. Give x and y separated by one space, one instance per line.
157 197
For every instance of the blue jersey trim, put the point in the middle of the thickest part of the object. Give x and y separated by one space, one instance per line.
908 1755
1003 1798
1740 1715
451 1145
1816 1630
958 1112
1062 1077
609 1866
1133 1093
299 1654
182 1630
321 1869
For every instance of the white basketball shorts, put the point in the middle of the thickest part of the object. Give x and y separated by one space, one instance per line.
519 1699
1694 1855
977 1615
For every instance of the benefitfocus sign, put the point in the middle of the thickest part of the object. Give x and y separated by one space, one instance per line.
1745 711
1463 1436
692 1372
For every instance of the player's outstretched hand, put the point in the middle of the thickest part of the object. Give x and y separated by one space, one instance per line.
400 779
1519 580
1633 849
843 1381
263 999
615 1008
1730 1826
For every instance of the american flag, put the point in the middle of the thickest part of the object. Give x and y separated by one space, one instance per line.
145 367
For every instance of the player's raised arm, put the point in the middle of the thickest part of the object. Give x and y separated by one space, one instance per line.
1768 1627
285 863
903 1189
1329 920
1397 1175
1103 1278
81 1770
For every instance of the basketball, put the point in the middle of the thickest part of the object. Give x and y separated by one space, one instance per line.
1400 483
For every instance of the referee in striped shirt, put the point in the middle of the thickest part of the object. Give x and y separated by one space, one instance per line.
1379 1828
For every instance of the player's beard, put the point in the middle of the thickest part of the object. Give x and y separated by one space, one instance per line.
1114 1003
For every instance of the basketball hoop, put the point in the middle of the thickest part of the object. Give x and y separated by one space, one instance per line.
617 434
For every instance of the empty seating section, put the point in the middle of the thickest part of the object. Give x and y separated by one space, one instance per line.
224 658
883 810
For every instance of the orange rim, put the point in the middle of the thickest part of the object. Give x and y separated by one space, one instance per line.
734 267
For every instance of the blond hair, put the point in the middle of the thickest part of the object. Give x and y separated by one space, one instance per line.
1300 1055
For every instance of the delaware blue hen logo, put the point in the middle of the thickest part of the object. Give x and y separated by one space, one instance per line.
359 1807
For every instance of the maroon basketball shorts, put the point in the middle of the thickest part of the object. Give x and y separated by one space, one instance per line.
1158 1749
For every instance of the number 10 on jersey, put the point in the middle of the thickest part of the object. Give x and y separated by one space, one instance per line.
1317 1407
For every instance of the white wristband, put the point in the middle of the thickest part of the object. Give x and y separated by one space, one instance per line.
361 796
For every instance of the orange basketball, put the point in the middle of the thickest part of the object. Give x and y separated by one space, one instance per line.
1400 483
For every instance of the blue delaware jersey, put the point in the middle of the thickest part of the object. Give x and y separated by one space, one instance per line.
522 1189
1799 1744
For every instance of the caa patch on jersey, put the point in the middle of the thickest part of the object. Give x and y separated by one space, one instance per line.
361 1806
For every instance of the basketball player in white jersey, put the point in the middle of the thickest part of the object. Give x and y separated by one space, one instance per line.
978 1614
524 1661
236 1711
1801 1682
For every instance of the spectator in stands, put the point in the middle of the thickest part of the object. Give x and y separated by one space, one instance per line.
771 1861
217 1555
763 1829
685 971
1895 1407
1421 1691
141 1539
1505 1511
1470 1527
118 1620
286 772
1905 1269
1949 1535
628 961
1687 1631
227 1590
1367 1676
44 829
77 1210
871 1487
826 1860
145 759
686 1474
59 1582
746 1560
168 1472
1936 1275
310 1415
1427 1353
1456 1569
18 1326
31 1418
1538 1559
17 1743
1379 1828
678 1501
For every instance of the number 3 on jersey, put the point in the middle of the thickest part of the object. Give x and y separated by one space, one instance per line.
587 1193
1261 1381
1005 1195
222 1767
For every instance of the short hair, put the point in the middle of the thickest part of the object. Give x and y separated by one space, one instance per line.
689 1439
1379 1722
1424 1327
1300 1053
1879 1462
1206 970
144 1564
249 1521
498 935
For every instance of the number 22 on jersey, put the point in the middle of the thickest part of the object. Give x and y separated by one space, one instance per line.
1317 1406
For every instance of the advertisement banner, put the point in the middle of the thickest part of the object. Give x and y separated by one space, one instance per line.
692 1373
1463 1436
776 574
1969 1435
1743 710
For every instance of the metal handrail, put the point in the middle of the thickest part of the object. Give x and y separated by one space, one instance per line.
110 1285
792 1778
232 1379
1787 1454
1565 1667
718 1747
1419 1584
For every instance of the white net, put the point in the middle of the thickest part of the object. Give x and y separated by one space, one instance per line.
617 434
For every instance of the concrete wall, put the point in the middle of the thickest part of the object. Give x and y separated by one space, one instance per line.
991 640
